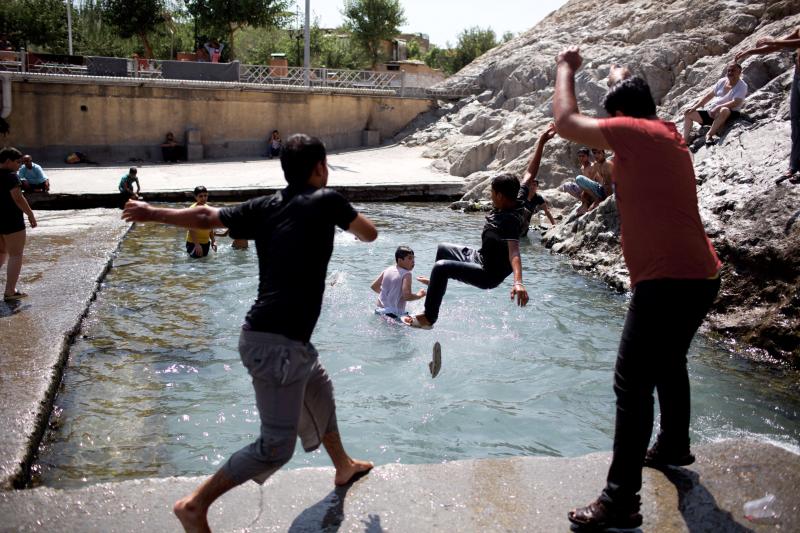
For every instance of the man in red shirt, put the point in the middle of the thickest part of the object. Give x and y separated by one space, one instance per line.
674 274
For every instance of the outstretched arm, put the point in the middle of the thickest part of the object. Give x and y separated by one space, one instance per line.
769 45
570 124
533 164
363 229
547 212
518 289
200 217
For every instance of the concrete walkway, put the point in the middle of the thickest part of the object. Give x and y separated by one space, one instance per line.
515 494
384 173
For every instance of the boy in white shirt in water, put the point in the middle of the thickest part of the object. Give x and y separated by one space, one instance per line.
394 285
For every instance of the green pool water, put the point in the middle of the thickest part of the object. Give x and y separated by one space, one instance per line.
154 386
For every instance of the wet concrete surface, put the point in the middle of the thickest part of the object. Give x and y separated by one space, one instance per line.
514 494
386 173
64 257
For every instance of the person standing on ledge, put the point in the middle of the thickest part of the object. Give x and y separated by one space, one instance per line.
12 226
766 46
674 281
293 230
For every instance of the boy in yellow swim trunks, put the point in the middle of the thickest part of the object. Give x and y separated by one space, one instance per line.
198 241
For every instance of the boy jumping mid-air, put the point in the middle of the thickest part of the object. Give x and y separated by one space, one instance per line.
485 268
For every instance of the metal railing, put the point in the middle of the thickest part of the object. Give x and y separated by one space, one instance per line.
359 81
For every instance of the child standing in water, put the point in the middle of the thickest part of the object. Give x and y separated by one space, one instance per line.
198 241
394 285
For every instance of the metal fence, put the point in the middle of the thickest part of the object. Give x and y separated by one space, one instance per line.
292 78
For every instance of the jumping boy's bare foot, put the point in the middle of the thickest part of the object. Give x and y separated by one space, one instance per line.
192 515
354 469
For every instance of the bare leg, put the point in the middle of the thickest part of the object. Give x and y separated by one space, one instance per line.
14 244
719 121
192 510
346 467
688 120
4 256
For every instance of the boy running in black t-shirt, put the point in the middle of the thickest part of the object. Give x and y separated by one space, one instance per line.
485 268
293 230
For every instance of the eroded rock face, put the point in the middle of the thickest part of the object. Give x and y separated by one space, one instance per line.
681 48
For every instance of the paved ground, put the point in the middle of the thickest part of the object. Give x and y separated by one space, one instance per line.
516 494
386 165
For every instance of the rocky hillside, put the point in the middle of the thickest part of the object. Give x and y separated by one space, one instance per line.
681 48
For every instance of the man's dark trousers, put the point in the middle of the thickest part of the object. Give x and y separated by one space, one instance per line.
460 263
662 318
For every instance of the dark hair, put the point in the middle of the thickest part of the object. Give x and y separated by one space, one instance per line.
299 156
631 97
9 153
737 65
402 252
507 185
132 170
584 151
535 182
199 189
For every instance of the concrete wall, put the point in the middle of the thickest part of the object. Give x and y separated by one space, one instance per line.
118 122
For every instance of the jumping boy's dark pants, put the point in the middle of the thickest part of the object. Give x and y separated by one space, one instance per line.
662 318
460 263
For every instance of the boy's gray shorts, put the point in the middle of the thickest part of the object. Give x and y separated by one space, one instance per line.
294 396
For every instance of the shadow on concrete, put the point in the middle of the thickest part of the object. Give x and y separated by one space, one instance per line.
12 308
697 505
341 168
327 515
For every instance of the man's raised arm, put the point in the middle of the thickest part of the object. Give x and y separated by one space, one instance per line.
570 124
536 160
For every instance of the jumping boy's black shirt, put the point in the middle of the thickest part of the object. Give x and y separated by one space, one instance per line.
293 230
501 226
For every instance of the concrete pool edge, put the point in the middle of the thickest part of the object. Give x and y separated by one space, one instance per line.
427 192
35 374
508 494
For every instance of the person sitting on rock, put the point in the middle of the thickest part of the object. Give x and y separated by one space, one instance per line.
485 268
32 176
766 46
674 278
726 98
274 145
528 195
598 185
573 188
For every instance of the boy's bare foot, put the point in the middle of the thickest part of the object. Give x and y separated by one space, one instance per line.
192 516
354 470
418 321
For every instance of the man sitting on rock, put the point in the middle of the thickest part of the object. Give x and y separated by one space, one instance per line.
573 188
32 176
726 97
674 280
598 183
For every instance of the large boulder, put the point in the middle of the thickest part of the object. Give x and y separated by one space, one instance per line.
681 47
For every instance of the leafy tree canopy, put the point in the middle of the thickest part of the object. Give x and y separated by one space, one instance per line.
134 17
371 22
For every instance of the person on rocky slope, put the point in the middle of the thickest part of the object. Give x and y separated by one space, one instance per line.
726 97
528 194
674 281
766 46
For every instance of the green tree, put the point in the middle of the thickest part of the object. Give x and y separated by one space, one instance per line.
507 36
472 42
135 17
413 49
371 22
229 16
35 22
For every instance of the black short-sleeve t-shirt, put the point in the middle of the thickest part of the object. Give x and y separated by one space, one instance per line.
293 231
11 220
530 205
501 226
